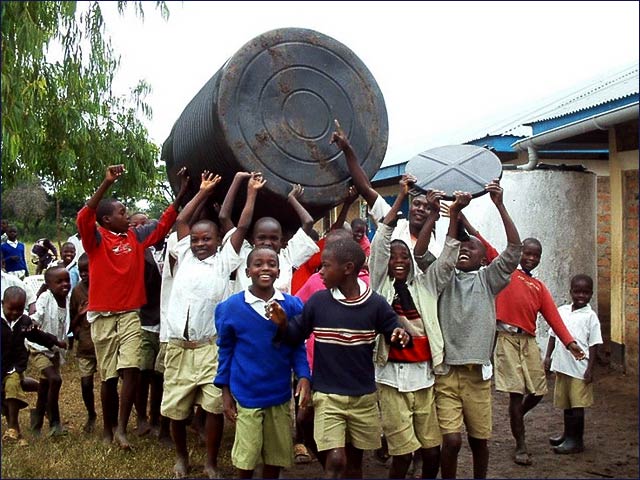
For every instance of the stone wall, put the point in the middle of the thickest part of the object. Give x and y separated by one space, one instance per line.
631 270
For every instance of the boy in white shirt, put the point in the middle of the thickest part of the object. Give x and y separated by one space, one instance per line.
191 359
574 378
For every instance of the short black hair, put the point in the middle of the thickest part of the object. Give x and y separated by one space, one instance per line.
49 272
582 277
105 207
68 244
14 292
358 221
532 241
84 258
255 249
346 250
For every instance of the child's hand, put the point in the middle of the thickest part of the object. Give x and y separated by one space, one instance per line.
229 405
114 172
352 195
209 181
61 344
183 175
433 198
303 392
339 138
588 376
243 175
275 313
256 181
547 364
576 351
296 192
462 199
400 336
495 190
406 183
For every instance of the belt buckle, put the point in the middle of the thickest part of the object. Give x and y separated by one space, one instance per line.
190 344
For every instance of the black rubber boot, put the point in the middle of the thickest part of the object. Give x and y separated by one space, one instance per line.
573 442
558 439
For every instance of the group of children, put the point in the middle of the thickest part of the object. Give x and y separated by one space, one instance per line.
385 338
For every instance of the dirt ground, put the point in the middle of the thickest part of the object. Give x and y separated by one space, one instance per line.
611 438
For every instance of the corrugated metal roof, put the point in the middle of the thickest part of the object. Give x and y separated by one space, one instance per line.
613 87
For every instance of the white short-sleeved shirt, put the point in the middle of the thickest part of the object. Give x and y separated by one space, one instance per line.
13 281
583 324
198 286
52 318
167 284
299 249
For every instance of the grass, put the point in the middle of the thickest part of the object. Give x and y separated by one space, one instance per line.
81 455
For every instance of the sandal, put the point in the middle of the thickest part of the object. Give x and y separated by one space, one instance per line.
11 434
301 454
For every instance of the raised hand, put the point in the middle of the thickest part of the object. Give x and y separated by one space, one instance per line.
183 175
256 181
462 199
297 191
339 137
114 172
495 191
352 195
406 183
209 181
433 198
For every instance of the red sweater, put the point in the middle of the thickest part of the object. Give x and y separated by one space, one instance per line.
116 261
519 303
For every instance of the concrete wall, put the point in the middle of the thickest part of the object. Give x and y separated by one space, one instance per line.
559 209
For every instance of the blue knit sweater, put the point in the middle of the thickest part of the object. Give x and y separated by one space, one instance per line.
14 258
257 370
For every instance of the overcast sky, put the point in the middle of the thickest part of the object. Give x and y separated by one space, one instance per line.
447 70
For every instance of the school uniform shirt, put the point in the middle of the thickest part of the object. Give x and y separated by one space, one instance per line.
199 285
167 283
299 249
52 319
584 325
116 261
13 281
15 355
14 260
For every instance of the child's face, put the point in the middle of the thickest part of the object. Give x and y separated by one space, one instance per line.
472 255
581 293
268 234
332 272
68 253
399 262
83 271
118 221
263 268
359 231
13 308
204 240
418 211
12 234
59 283
530 258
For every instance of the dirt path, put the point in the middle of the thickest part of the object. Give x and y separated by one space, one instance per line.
611 439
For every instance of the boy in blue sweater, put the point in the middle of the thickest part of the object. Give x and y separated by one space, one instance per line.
344 319
254 373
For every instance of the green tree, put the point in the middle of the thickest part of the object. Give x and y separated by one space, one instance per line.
61 122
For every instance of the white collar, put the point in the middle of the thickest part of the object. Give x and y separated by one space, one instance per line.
250 298
338 295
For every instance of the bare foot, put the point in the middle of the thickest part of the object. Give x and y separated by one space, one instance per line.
107 436
90 425
211 472
121 439
522 458
181 468
143 428
165 441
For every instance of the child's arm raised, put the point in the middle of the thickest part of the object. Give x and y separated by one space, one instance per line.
352 196
207 184
224 216
112 174
305 218
406 182
256 182
496 193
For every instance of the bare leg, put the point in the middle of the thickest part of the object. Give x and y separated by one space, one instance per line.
109 400
270 471
53 397
430 462
141 401
480 452
354 462
127 396
399 465
335 463
451 443
179 433
213 428
86 385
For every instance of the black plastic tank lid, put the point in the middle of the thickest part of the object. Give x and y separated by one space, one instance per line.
466 168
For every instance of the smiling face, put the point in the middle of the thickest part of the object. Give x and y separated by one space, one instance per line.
204 239
581 292
399 261
267 232
472 256
531 253
68 253
419 209
263 269
58 281
13 306
117 221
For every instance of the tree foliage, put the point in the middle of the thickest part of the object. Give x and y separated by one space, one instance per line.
27 203
61 122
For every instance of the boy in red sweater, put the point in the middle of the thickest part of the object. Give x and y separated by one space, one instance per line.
519 370
116 292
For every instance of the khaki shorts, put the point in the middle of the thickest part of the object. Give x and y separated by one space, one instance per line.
12 390
342 419
188 380
87 366
117 341
263 433
571 392
463 397
518 365
41 362
149 348
162 352
409 419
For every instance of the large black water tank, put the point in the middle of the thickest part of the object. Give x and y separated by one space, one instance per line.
270 108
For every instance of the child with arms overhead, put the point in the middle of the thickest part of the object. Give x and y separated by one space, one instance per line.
405 377
191 359
574 378
344 319
116 292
